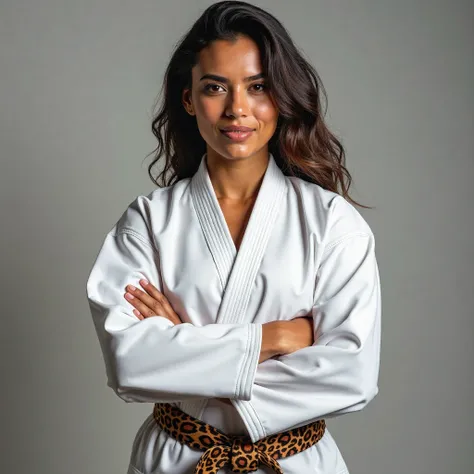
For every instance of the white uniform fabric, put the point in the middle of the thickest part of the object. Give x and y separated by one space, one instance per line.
305 250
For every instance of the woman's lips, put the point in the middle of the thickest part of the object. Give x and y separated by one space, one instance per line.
237 136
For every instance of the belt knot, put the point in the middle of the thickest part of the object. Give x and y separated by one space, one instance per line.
235 451
244 455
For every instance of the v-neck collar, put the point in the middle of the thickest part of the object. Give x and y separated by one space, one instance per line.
216 231
270 174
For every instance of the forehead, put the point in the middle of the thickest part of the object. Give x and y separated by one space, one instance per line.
234 60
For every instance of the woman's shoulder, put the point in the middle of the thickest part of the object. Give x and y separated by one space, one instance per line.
148 212
328 213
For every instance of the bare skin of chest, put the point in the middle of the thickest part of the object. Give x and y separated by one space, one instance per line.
237 215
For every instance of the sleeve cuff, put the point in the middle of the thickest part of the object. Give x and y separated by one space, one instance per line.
248 371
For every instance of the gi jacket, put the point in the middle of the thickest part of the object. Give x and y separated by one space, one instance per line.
305 250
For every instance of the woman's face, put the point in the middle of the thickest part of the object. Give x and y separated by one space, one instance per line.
224 93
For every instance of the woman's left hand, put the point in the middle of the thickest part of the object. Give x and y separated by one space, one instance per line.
150 302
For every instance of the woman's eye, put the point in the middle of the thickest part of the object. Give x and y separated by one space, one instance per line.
263 87
209 86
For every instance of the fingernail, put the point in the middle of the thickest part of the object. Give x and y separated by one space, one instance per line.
144 282
129 296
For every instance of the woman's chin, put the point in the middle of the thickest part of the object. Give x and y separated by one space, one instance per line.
236 151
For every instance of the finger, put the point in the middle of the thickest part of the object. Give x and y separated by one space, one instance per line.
156 302
150 288
151 307
148 312
136 301
145 298
158 296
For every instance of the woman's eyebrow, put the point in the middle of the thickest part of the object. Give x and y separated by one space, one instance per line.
225 80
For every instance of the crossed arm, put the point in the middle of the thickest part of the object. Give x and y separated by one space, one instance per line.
335 374
278 337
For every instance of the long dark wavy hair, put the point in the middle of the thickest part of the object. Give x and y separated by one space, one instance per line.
302 144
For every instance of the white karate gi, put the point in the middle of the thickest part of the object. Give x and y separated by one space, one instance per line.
305 250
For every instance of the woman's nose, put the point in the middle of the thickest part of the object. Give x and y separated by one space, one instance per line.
237 104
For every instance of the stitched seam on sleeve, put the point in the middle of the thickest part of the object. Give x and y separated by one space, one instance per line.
333 244
134 233
256 418
245 369
238 381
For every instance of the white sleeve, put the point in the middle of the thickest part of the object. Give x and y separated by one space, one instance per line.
339 372
153 360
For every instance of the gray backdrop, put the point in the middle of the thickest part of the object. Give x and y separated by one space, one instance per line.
78 82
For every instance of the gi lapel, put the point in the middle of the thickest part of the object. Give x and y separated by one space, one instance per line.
213 224
237 270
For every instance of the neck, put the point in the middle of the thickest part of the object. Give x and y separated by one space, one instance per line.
236 179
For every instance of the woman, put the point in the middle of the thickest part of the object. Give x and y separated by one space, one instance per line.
242 297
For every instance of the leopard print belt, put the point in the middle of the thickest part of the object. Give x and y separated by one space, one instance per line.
235 451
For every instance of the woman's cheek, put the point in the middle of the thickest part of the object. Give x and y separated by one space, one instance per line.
266 111
209 108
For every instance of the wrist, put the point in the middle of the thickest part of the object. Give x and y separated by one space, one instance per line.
281 338
272 339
